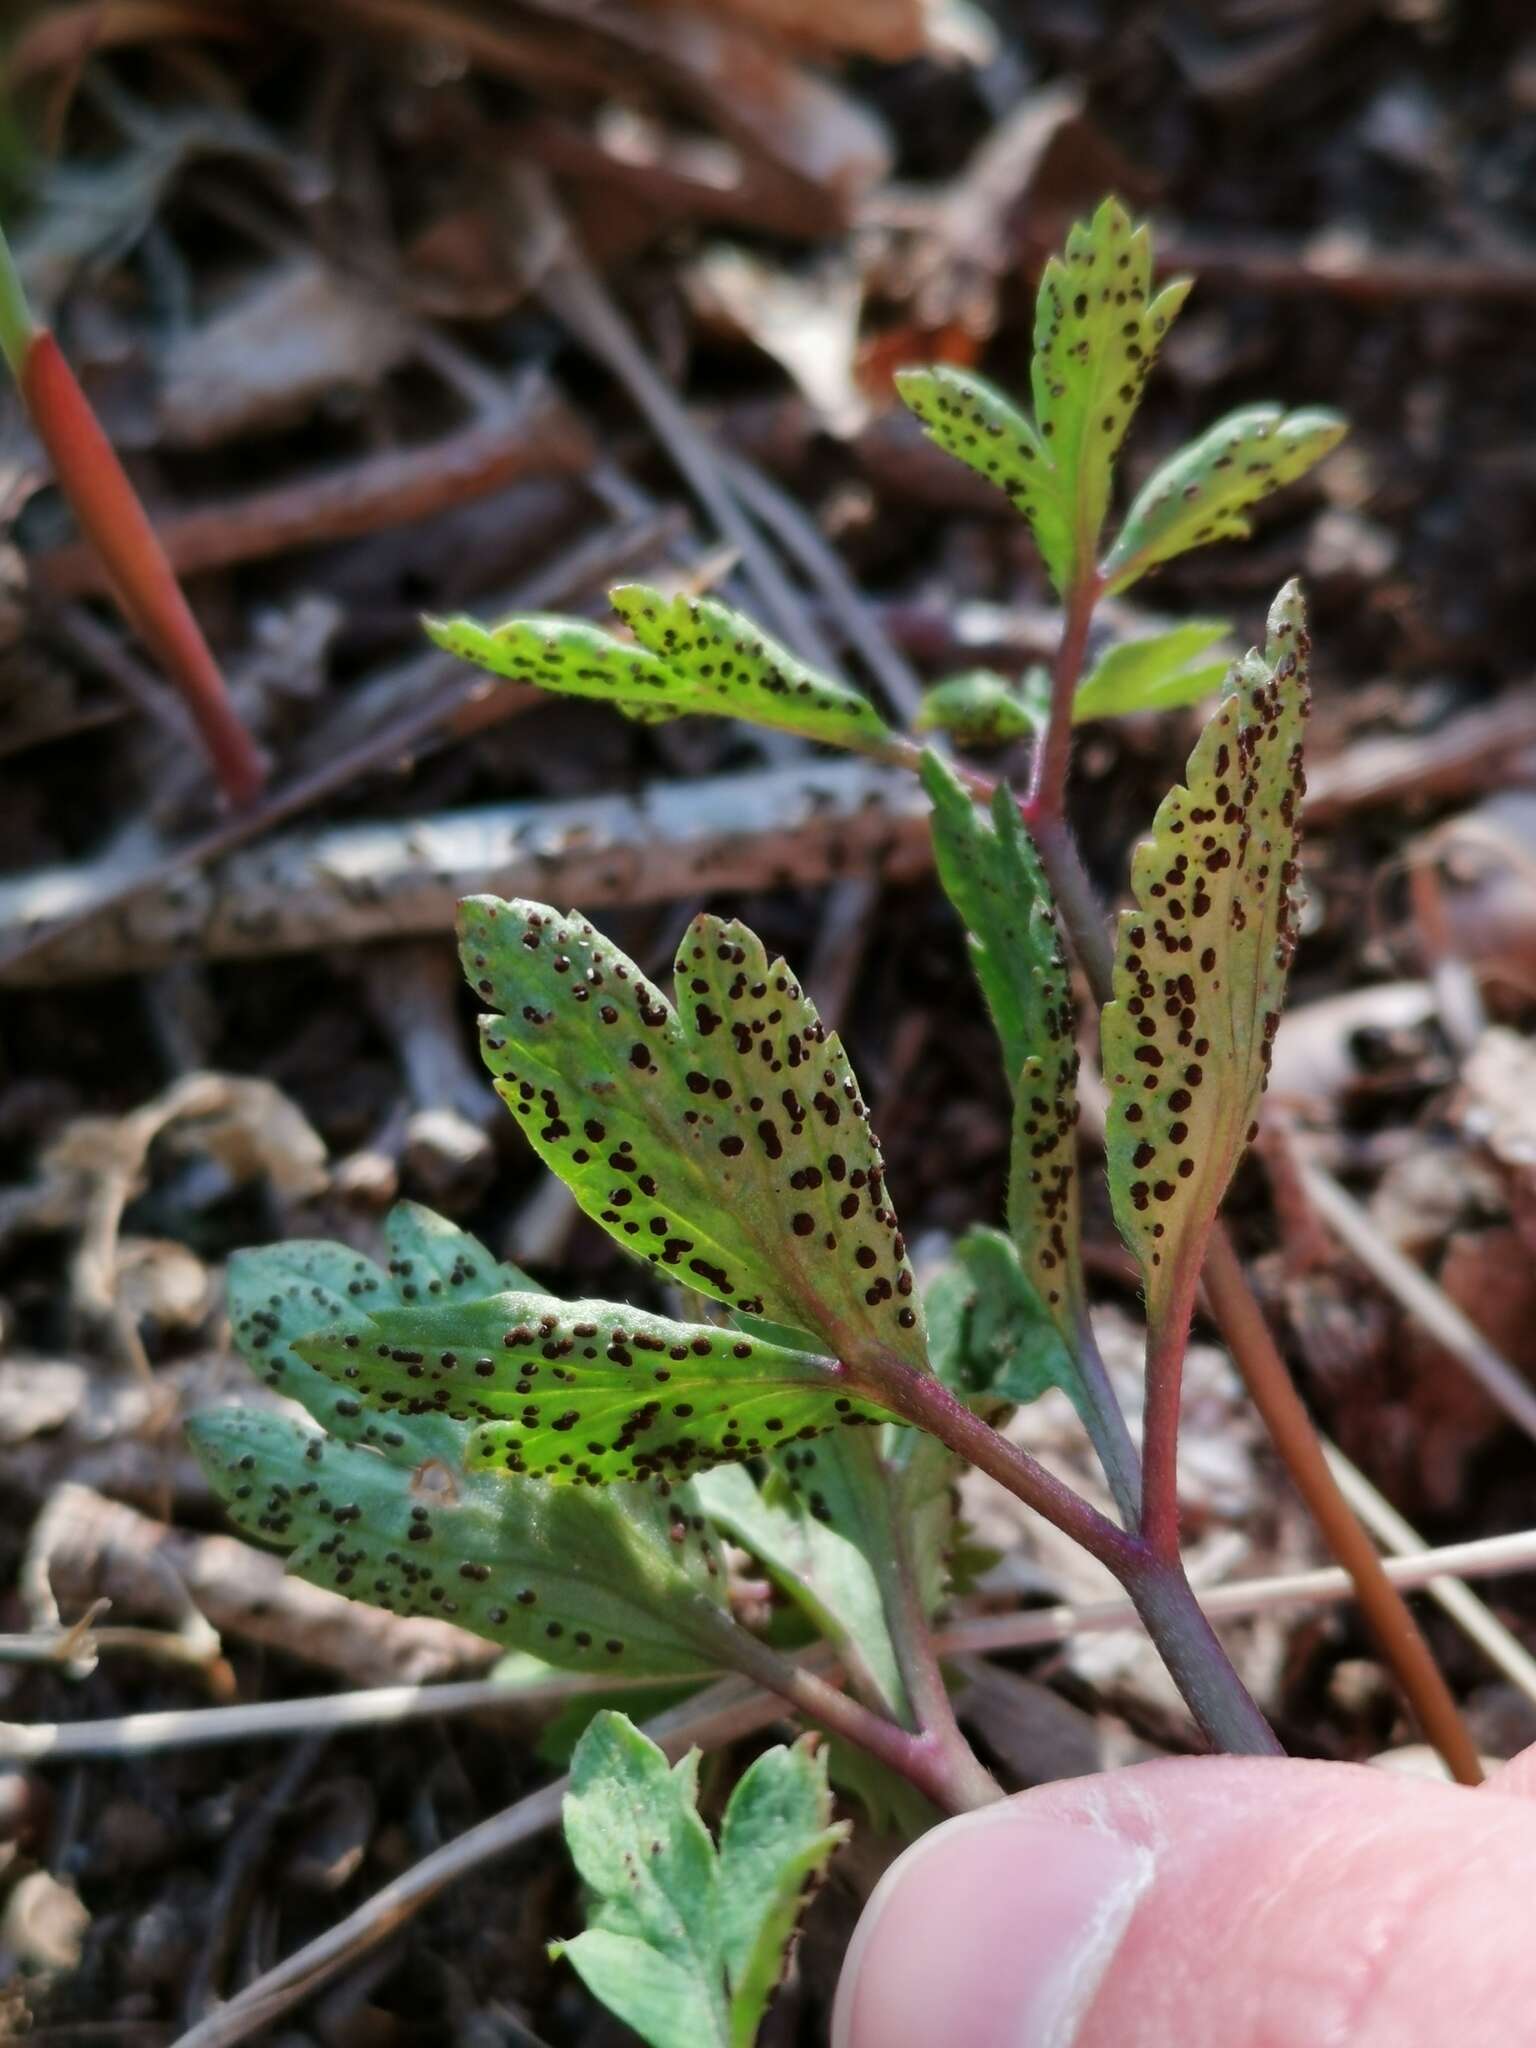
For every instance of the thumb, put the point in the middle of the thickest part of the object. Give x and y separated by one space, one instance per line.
1207 1903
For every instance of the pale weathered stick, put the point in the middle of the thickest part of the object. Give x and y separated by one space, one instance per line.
1473 1616
1039 1628
347 884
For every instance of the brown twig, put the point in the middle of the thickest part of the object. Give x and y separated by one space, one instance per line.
238 1868
1473 1616
799 536
1466 755
1353 272
536 436
1291 1429
1436 1571
573 290
127 557
91 1546
349 883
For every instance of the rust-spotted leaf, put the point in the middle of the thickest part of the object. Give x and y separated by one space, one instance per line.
1201 961
1098 327
584 1393
284 1291
725 1141
1205 492
433 1260
719 661
972 420
992 875
622 1580
571 657
694 656
384 1507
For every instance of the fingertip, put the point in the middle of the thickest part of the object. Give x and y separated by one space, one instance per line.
994 1930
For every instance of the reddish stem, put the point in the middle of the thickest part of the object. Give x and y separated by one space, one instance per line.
114 520
1047 798
923 1399
1167 1342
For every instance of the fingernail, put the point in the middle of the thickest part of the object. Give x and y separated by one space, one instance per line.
995 1931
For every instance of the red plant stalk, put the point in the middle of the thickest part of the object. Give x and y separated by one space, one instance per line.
113 518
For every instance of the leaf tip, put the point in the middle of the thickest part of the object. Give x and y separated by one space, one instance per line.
1288 613
628 598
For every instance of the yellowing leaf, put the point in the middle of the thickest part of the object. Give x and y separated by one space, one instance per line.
1201 961
1204 492
725 1141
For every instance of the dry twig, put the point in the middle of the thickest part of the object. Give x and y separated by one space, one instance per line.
130 1735
347 884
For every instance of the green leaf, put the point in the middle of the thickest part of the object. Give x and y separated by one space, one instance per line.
635 1836
992 876
282 1293
584 1393
560 1732
776 1835
665 2002
815 1523
1098 327
724 1141
720 662
571 657
694 656
611 1581
1156 674
561 1573
1201 962
685 1945
979 709
431 1259
991 1336
1204 492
